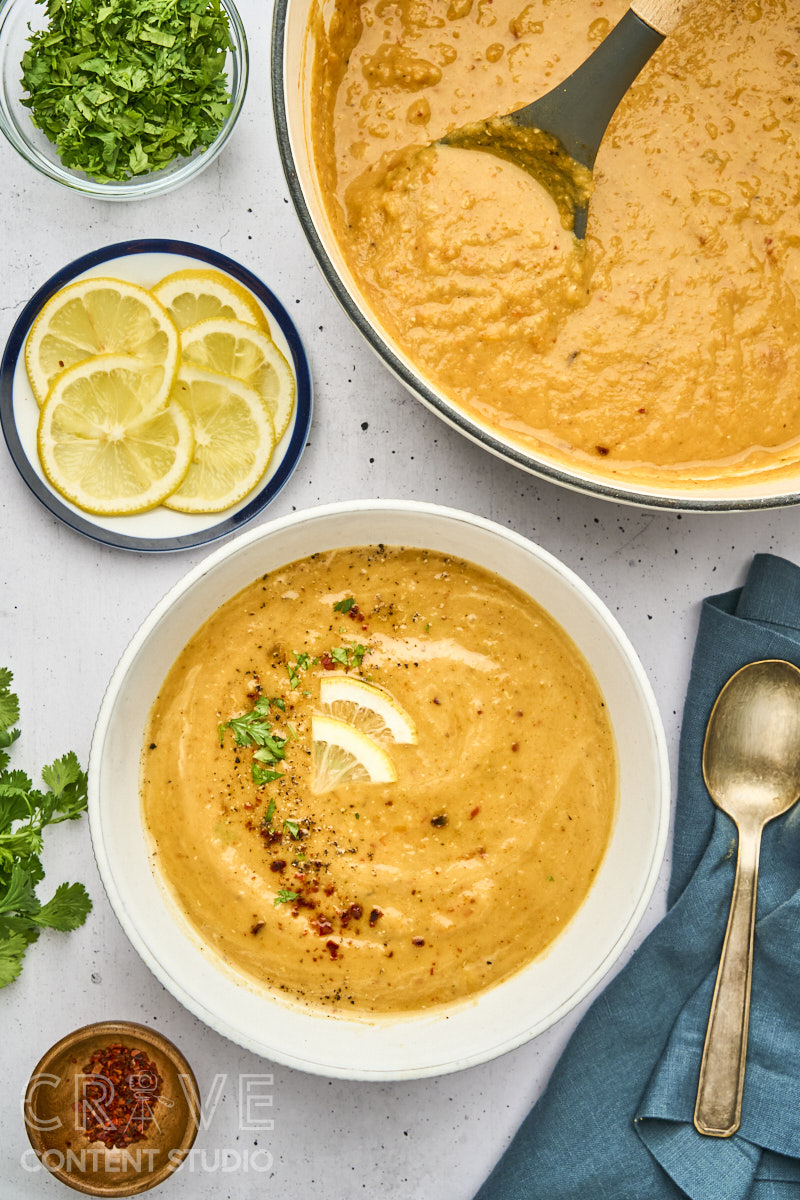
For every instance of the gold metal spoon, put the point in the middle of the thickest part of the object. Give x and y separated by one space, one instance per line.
556 138
751 765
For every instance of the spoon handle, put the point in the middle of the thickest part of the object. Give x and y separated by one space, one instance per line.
662 15
718 1111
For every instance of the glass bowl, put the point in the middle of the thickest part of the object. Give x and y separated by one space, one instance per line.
18 19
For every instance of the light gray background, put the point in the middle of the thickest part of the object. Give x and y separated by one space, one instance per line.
68 608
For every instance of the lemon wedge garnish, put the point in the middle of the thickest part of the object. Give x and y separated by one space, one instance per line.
100 316
233 440
342 754
371 709
198 294
105 444
234 348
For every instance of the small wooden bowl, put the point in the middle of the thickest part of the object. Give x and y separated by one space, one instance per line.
53 1124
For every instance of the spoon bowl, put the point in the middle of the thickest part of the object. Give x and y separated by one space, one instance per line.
557 137
751 766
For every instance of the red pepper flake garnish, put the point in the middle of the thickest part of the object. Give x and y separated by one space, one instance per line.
515 746
475 811
333 947
602 450
259 925
356 911
375 916
418 941
436 700
324 925
327 662
121 1088
278 865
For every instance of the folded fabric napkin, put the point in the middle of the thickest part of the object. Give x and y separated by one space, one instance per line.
615 1122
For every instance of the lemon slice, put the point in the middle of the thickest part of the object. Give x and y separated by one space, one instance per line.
198 294
342 754
233 348
233 440
105 445
371 709
99 316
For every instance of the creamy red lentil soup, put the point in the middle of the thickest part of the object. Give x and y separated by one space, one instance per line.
664 349
379 779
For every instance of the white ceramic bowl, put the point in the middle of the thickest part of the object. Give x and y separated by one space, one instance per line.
291 88
437 1041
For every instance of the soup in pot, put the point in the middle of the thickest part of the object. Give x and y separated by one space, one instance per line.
664 348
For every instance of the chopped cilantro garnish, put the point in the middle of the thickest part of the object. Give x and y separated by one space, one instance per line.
284 896
269 814
262 775
344 606
123 87
255 728
292 828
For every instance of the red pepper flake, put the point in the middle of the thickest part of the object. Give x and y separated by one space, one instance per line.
515 746
120 1091
327 662
324 925
333 947
603 450
375 916
475 811
278 865
259 925
356 911
418 941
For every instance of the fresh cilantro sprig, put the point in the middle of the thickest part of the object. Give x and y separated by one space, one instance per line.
284 896
123 87
25 812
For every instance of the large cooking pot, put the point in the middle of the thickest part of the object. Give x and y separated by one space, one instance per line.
292 57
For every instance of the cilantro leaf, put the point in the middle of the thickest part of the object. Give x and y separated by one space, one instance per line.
19 895
12 951
66 909
262 775
284 896
344 606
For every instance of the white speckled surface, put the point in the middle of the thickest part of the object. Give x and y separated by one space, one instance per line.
68 608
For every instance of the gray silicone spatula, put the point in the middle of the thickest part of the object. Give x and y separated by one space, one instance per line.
557 137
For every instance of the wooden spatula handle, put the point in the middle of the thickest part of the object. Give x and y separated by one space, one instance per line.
662 15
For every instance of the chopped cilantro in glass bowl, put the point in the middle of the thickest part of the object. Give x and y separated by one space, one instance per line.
138 96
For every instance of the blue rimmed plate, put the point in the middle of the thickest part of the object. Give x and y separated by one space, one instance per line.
145 262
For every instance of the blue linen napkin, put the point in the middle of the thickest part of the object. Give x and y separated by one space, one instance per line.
615 1122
